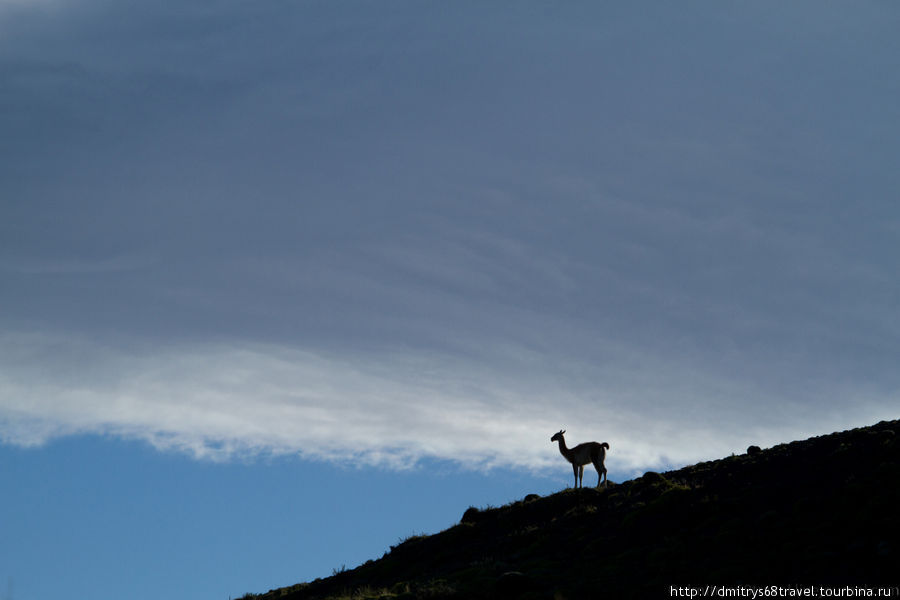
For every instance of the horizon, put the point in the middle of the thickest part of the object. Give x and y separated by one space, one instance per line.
273 252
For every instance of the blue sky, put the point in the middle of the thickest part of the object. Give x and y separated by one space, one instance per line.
283 282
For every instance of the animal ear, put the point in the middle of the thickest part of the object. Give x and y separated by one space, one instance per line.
562 431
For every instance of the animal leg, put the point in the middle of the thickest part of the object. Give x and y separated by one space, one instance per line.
575 471
601 472
580 475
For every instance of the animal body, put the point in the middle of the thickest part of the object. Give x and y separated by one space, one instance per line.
582 454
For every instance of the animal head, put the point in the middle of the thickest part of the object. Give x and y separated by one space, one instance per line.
558 436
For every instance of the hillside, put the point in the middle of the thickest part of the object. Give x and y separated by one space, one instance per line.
819 512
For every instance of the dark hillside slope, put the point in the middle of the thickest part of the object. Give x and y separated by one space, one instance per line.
823 511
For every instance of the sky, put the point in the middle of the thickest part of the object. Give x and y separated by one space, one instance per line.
284 282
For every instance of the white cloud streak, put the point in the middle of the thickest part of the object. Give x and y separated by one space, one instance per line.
221 402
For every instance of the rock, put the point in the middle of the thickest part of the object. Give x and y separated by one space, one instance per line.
471 515
753 450
652 477
512 584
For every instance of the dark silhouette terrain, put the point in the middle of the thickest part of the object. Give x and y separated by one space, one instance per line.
819 512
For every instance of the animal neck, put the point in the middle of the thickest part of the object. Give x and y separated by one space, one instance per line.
563 449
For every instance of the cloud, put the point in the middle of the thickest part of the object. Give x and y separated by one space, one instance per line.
389 235
74 266
226 402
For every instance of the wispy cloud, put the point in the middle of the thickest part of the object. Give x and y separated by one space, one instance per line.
223 402
66 265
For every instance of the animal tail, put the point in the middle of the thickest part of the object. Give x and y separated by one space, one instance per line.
596 452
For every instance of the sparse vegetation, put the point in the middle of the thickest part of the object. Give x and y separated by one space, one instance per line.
817 512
